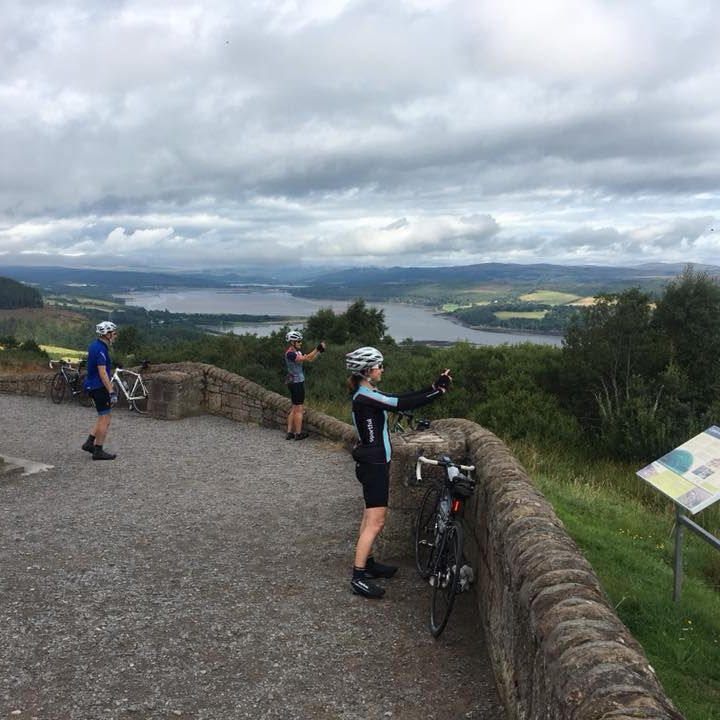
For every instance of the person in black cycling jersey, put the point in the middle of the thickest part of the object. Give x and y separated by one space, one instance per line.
100 389
295 381
372 455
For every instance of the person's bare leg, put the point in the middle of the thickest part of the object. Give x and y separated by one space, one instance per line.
298 419
100 430
372 523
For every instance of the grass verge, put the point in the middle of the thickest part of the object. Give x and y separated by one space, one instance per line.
631 548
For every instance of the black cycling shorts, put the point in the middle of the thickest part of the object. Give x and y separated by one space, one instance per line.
101 398
297 393
375 479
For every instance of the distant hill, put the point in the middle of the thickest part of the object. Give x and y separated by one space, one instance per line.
446 283
94 282
14 294
425 285
494 272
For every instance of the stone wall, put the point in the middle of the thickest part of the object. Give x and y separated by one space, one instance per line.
183 389
37 384
558 649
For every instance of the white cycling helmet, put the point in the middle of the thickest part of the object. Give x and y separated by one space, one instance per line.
362 359
105 327
294 336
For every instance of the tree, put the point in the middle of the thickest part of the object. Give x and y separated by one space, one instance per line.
9 341
14 294
326 325
688 315
365 325
359 324
614 363
128 340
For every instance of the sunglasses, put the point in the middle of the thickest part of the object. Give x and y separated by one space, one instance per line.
379 367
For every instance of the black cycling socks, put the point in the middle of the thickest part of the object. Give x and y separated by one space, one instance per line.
358 572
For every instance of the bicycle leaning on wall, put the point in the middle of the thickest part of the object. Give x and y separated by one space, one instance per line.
130 385
405 421
68 380
439 537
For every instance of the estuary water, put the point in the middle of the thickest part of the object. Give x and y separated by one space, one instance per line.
403 321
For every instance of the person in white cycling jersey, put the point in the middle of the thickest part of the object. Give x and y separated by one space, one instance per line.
372 455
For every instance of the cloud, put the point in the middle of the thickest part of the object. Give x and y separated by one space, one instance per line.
343 131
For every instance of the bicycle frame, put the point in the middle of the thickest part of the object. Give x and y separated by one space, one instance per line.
71 376
131 385
412 423
452 471
440 532
69 372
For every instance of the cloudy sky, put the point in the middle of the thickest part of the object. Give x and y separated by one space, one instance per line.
222 134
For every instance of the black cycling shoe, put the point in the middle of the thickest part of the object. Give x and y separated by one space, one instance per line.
366 588
290 436
301 435
375 569
88 446
100 454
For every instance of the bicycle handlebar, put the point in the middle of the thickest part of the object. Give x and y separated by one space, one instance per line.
61 363
446 463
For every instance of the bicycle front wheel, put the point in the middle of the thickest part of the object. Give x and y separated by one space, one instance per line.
57 389
425 531
139 397
446 575
82 394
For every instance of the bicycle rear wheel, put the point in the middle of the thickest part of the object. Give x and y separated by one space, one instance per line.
425 531
447 578
140 397
57 388
82 394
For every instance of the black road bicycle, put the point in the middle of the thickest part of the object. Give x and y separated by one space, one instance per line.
68 380
405 421
439 537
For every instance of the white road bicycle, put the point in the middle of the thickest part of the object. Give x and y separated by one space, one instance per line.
129 384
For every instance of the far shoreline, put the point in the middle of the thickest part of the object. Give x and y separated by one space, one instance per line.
501 330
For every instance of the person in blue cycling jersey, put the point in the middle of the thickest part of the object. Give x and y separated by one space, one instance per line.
295 380
100 389
372 455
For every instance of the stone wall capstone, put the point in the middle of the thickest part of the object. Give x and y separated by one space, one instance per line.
559 650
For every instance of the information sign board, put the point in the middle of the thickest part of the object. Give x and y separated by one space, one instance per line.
690 474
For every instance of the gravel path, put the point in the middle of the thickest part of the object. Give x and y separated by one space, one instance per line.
205 574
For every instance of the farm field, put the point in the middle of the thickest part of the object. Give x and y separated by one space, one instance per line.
529 314
550 297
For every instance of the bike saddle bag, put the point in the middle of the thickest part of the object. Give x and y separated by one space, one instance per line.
462 488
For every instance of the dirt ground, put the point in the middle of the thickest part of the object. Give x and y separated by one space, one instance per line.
205 574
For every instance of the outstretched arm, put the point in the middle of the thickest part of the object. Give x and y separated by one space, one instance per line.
408 401
312 355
